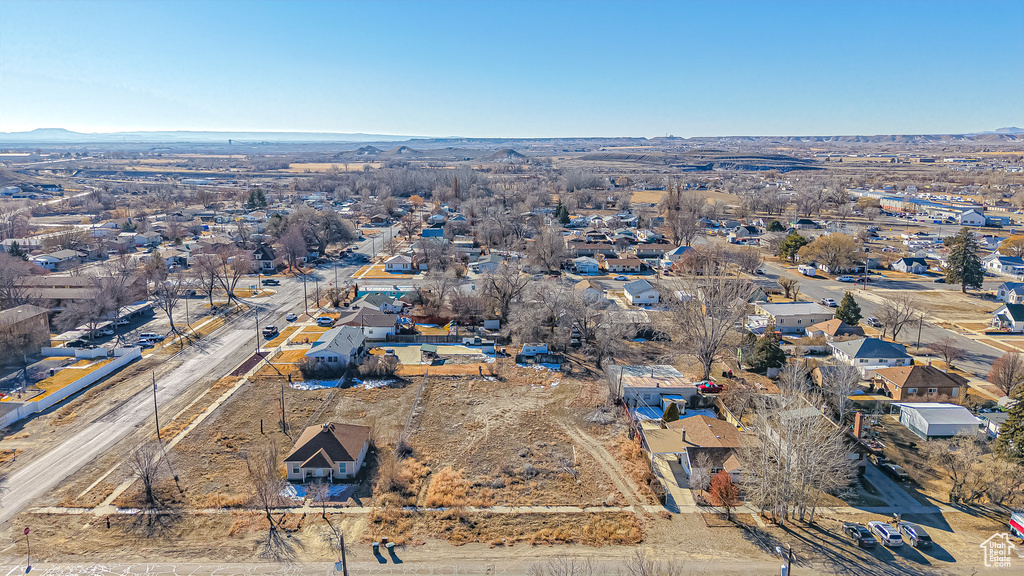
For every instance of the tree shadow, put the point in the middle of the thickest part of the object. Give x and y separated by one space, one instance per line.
152 522
278 546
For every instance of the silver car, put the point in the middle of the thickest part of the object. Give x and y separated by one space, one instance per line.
886 534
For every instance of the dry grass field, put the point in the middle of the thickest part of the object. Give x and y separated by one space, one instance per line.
303 167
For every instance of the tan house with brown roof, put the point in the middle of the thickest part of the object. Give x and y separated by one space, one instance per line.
921 383
331 450
689 438
834 328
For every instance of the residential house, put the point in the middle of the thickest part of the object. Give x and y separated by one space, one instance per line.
1004 265
971 217
1009 317
433 231
910 265
794 317
719 440
380 219
640 292
338 347
834 328
646 384
936 420
1010 292
993 422
58 290
869 354
25 329
398 263
579 248
375 325
488 264
804 224
59 260
265 258
615 265
592 292
586 265
381 302
329 451
918 383
673 255
649 251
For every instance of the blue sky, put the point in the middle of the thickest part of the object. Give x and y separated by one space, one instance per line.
514 69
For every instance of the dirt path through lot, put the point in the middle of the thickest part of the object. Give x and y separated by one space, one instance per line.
608 463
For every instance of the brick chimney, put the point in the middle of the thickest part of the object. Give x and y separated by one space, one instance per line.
858 424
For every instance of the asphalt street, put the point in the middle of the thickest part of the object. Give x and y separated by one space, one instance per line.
34 475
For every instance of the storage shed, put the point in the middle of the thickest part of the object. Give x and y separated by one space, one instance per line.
930 420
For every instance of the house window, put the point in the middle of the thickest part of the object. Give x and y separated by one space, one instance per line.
799 321
911 391
933 390
863 360
295 468
953 393
341 467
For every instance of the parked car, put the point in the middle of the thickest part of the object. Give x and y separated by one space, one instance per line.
326 321
939 280
79 343
291 317
103 332
121 322
759 272
829 302
872 321
269 331
271 282
142 343
707 387
864 279
860 534
895 471
916 535
846 279
621 278
151 336
886 534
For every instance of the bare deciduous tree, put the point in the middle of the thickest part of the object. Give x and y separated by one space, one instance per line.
505 286
145 462
1007 372
949 349
703 323
264 478
959 457
896 312
838 383
790 287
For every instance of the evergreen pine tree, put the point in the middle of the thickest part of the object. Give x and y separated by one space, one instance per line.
1010 442
16 251
775 226
791 245
768 351
963 266
849 310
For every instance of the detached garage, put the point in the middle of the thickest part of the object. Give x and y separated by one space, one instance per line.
930 420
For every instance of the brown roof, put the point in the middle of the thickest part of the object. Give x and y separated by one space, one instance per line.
707 432
920 377
337 442
835 327
724 458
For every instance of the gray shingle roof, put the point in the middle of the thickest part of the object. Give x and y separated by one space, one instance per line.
871 348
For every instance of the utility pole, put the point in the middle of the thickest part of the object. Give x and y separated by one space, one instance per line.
284 425
305 297
920 324
28 562
344 564
256 311
156 411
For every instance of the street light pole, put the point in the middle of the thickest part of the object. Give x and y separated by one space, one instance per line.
256 312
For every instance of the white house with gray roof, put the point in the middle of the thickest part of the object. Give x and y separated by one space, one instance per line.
869 354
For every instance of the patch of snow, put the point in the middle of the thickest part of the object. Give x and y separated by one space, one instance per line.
371 384
294 492
315 384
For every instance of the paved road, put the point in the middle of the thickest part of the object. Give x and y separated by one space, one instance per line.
889 490
34 475
979 356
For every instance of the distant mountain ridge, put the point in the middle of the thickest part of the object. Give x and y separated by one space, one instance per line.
60 135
